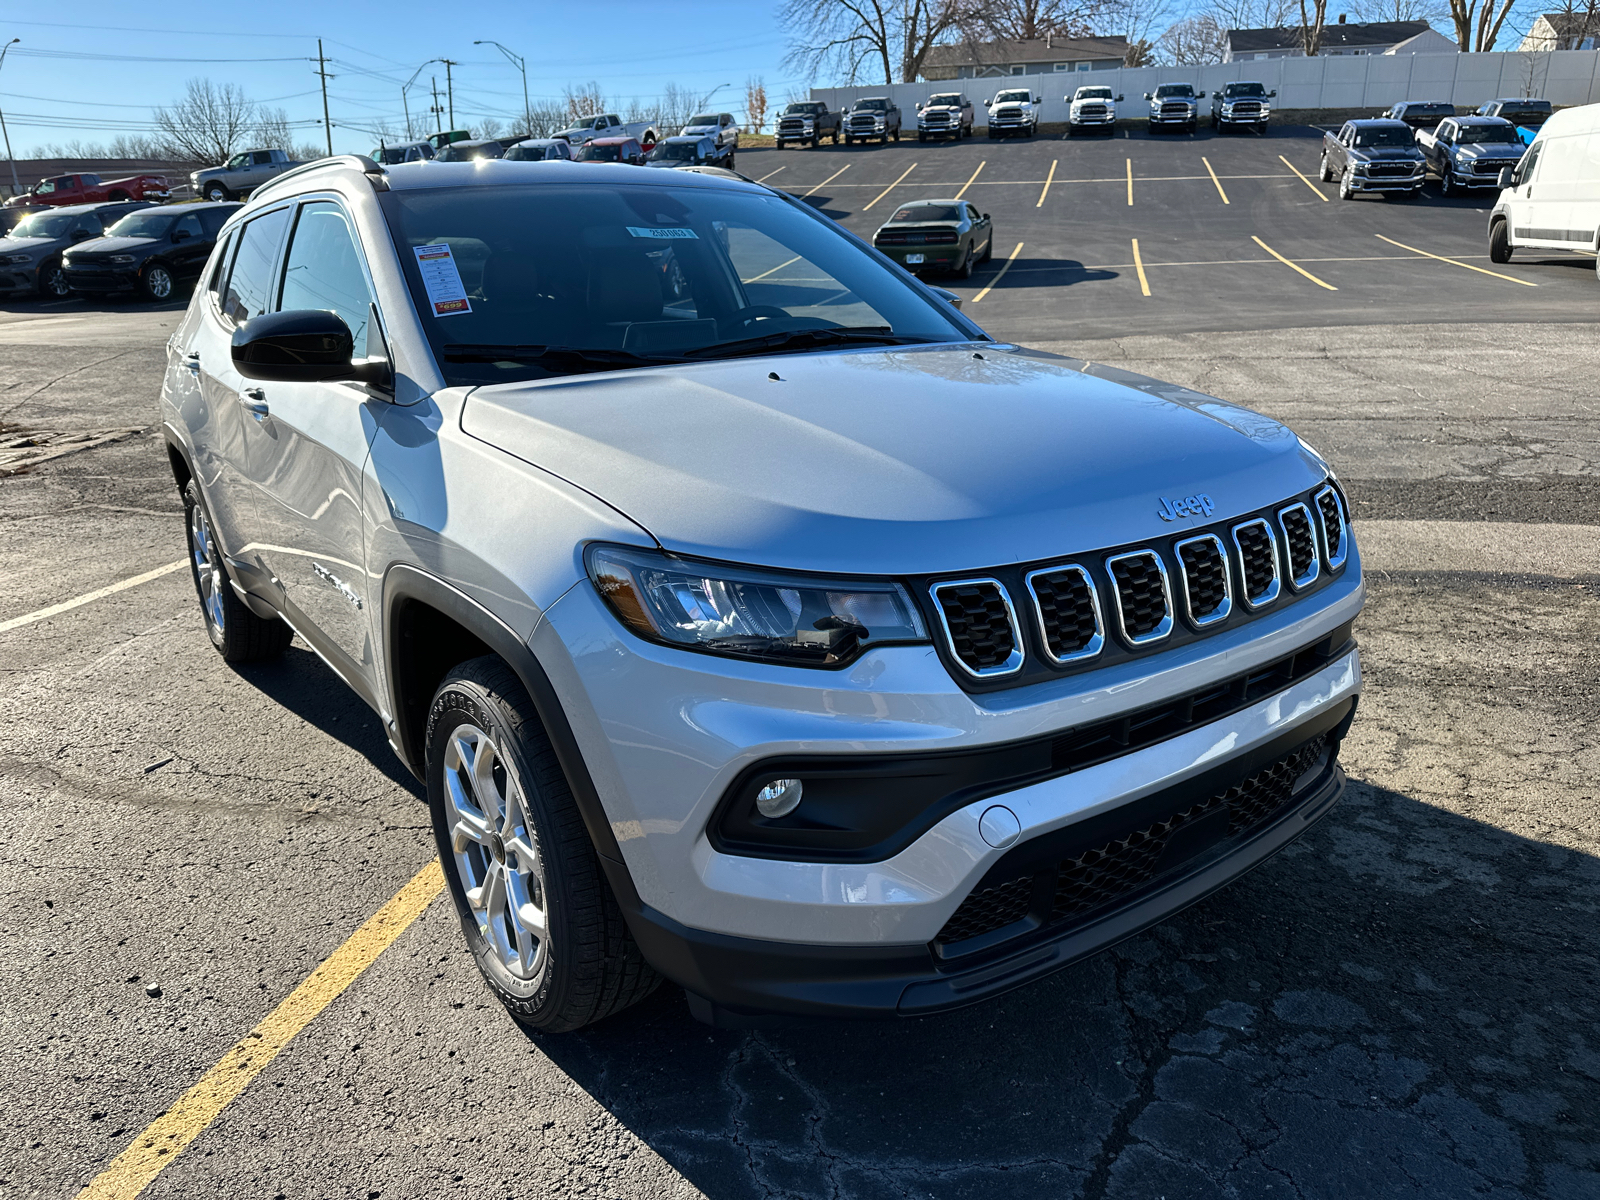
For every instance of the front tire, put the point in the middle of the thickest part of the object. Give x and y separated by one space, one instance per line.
157 283
215 191
53 281
1500 244
537 913
921 137
1347 189
1447 185
236 632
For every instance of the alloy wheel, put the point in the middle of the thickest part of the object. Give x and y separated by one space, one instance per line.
208 571
55 282
496 851
158 282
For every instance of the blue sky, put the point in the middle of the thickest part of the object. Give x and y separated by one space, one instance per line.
632 48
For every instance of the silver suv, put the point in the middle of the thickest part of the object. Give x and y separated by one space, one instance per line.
753 620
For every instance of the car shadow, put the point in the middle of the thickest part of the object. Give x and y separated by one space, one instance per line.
1031 273
1404 994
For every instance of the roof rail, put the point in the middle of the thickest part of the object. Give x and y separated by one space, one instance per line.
359 162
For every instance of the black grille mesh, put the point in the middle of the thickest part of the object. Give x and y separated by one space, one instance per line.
980 626
1332 522
1300 542
1066 608
1139 593
1205 577
1255 553
1106 874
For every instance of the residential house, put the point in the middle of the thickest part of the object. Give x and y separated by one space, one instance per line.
1339 37
1564 31
1038 56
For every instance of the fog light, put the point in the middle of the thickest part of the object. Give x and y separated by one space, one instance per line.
779 798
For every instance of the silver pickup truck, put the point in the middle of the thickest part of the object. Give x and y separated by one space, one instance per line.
608 125
241 174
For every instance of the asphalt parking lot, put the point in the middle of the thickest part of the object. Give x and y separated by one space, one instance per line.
1403 1004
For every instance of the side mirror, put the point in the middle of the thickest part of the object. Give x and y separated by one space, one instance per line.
301 346
1273 94
1119 99
79 235
181 235
1508 177
988 102
919 105
1147 95
1201 96
985 216
947 296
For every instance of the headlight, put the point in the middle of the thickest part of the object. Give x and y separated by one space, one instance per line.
121 258
746 612
19 259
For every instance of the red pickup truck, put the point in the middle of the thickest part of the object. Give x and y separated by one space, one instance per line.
87 189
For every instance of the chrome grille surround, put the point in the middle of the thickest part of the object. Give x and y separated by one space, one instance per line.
1275 587
1221 611
1335 527
1290 520
1013 661
1162 627
1096 642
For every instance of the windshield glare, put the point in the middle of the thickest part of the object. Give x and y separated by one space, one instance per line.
148 224
1094 93
1245 89
1173 89
531 153
1006 97
872 106
950 101
704 119
675 152
1385 137
593 153
654 271
1474 134
802 110
45 225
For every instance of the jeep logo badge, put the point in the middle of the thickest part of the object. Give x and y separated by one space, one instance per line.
1188 506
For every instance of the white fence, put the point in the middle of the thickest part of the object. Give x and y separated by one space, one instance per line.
1326 81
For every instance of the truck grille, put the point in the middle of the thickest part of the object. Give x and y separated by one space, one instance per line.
939 118
981 625
1092 110
1207 596
1140 595
1174 110
1006 118
1389 170
1111 872
1299 545
861 125
1247 108
791 126
1258 561
1068 610
1493 167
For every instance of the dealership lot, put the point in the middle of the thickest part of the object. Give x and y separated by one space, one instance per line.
1401 1004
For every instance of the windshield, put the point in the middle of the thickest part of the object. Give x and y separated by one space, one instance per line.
802 110
872 106
1524 114
1174 90
1473 134
594 153
927 212
1008 97
46 225
640 272
950 100
704 119
1245 89
466 151
532 153
1093 93
675 152
1385 136
151 223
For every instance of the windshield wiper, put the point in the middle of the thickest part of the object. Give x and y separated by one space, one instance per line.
806 339
569 359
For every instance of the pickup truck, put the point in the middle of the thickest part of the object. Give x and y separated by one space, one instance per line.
1470 152
608 125
807 122
1244 103
948 114
875 117
1174 104
1421 114
1015 110
89 189
1378 155
1092 108
1526 114
241 174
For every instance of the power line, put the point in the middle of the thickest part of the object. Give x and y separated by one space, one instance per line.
83 54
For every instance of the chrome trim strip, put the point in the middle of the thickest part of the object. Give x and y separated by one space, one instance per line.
1300 582
1223 609
1013 662
1334 561
1272 592
1165 627
1097 642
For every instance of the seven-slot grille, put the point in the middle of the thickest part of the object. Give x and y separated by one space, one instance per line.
1140 596
1258 561
1330 514
981 625
1174 110
1092 110
1068 610
1207 590
1299 546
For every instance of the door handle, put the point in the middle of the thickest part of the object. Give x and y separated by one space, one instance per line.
255 402
192 361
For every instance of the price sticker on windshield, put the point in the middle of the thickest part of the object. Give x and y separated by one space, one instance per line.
442 281
664 232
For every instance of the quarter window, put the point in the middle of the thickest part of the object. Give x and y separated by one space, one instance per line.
250 283
323 270
219 272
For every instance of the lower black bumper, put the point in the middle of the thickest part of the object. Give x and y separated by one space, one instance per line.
735 981
102 281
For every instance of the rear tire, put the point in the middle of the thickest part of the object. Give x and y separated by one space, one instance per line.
1500 244
238 634
964 271
537 913
1326 171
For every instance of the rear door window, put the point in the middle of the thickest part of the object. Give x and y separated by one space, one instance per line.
250 288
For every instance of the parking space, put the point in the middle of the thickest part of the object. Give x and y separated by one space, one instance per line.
1401 1004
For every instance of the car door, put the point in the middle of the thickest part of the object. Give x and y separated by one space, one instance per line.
1525 202
309 448
982 230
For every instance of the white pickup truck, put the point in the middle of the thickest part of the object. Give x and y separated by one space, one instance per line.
609 125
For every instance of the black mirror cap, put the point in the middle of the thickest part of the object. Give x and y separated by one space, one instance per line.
181 235
1273 94
1201 96
1119 99
1508 177
300 346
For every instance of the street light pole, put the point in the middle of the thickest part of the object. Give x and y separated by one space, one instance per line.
522 65
707 101
16 185
406 103
450 88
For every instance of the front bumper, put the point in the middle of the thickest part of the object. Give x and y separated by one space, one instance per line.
19 280
1173 118
795 134
1242 118
1091 119
103 279
1471 178
1361 182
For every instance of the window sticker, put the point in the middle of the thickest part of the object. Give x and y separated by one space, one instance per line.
441 280
664 232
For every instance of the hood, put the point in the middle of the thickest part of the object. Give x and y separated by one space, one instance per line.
1490 150
1386 153
892 462
27 245
115 245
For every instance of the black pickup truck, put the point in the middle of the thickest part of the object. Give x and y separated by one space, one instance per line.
807 122
1378 155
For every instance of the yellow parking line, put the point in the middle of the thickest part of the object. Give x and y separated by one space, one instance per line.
1294 266
1455 263
774 271
770 174
1049 179
827 181
968 183
1130 183
1303 179
90 597
1000 276
892 186
1214 178
165 1138
1138 263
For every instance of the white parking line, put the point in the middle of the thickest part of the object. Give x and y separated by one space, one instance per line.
1455 263
91 597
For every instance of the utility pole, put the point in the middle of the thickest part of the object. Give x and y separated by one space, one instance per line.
322 71
438 126
450 88
521 64
16 186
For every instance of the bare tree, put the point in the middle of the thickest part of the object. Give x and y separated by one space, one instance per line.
1402 10
755 103
1253 14
1026 20
1312 21
1195 41
1478 22
1139 22
209 123
583 99
488 127
1571 22
854 40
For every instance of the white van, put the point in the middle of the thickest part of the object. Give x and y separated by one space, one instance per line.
1553 197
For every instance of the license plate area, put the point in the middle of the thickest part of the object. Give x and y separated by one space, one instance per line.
913 259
